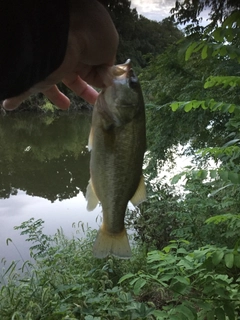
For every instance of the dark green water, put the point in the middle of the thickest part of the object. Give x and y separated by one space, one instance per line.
44 171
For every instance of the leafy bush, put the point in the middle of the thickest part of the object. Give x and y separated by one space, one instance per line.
195 278
199 284
64 281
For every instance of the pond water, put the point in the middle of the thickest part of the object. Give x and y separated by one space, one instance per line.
44 172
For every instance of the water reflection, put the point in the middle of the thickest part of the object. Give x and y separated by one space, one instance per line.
44 171
44 156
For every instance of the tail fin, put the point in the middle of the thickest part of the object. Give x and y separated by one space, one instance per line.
115 244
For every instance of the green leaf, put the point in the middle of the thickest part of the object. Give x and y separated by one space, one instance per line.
231 109
229 310
127 276
203 174
174 106
204 52
182 280
217 106
217 257
229 260
138 285
231 142
220 218
186 312
203 105
220 314
210 315
231 19
188 107
190 49
160 315
168 248
217 35
226 107
182 250
209 83
179 316
223 175
176 178
223 51
233 177
179 287
220 189
213 174
237 260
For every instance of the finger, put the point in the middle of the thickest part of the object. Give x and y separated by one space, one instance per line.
81 88
57 97
13 103
98 76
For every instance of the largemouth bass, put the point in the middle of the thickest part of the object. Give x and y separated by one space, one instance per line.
117 142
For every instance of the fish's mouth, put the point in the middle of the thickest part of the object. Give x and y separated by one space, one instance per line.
120 70
124 72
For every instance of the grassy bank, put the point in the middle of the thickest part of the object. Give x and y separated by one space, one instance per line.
66 282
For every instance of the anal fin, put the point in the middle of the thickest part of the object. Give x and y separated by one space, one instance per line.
90 140
140 194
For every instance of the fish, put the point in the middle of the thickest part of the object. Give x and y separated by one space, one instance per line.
117 142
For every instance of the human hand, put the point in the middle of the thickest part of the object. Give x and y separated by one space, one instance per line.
91 50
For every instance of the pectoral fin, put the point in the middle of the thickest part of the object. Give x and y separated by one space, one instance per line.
140 194
90 140
92 199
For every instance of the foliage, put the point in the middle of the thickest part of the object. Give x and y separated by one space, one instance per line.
209 194
64 281
158 217
182 212
139 36
221 41
169 80
199 284
197 278
48 107
161 79
190 11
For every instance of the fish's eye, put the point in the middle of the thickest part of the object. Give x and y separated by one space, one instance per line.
133 80
131 73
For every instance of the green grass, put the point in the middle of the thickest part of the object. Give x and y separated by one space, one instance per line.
48 107
66 282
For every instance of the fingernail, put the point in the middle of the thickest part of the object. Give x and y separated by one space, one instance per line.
8 105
